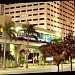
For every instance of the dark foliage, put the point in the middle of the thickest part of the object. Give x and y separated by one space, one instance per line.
7 55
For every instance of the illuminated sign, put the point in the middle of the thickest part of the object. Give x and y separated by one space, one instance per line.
49 58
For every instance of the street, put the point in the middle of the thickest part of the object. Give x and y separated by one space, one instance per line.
42 69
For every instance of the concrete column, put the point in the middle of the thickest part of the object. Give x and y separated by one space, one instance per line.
17 55
7 61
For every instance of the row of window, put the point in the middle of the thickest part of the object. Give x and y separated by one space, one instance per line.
62 24
43 13
29 15
25 6
63 33
24 10
48 14
63 16
61 28
43 4
61 5
62 10
43 19
31 19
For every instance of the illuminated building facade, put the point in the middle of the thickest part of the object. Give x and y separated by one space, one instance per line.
53 16
57 16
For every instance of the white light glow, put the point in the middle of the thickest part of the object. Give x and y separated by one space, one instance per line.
18 28
49 58
57 33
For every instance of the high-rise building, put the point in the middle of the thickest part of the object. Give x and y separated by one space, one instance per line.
57 16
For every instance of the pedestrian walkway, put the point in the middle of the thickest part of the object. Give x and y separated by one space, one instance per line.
31 68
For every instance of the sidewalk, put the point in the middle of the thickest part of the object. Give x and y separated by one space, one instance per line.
35 69
31 68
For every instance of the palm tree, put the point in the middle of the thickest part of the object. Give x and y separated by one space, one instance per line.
29 30
9 32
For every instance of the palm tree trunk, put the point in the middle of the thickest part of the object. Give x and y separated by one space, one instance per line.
58 67
70 59
4 53
33 57
27 52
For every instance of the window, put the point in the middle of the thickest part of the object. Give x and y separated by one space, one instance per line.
41 8
51 15
17 16
48 14
52 10
58 8
35 14
54 6
22 20
11 12
35 24
12 7
17 6
55 2
35 9
23 11
48 4
48 19
35 4
29 5
51 5
17 21
29 10
51 20
12 16
41 3
24 6
30 15
51 24
6 12
41 24
41 13
48 9
17 11
48 24
54 21
6 8
48 29
29 20
41 18
35 19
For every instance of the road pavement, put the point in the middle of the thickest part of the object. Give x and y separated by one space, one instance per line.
36 69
